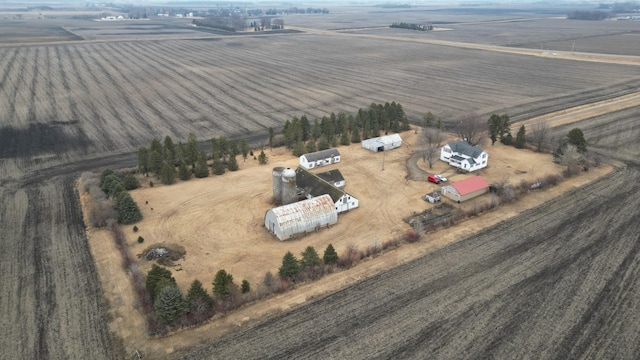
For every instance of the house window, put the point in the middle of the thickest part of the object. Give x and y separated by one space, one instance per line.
484 162
484 156
447 150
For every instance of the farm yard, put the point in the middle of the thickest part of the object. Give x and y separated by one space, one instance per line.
561 277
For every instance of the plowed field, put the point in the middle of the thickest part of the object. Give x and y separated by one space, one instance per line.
560 281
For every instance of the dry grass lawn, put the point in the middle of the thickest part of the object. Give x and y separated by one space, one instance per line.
219 220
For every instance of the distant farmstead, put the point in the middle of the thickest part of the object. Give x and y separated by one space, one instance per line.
467 189
287 221
320 158
464 156
383 143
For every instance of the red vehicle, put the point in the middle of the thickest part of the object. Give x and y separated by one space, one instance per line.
434 179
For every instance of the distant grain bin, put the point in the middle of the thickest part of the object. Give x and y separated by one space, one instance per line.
277 184
289 191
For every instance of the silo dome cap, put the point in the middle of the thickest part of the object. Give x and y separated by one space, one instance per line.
288 172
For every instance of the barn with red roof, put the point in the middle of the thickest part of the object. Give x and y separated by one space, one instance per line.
466 189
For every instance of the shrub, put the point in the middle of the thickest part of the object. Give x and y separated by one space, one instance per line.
140 239
411 236
135 228
150 183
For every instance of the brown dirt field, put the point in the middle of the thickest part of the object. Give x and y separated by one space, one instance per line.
197 215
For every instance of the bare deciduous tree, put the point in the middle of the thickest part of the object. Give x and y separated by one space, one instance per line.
572 159
432 137
471 128
540 135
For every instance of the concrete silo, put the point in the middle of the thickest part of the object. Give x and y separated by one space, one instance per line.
277 185
289 191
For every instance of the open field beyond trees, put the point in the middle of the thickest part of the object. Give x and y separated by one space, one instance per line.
560 280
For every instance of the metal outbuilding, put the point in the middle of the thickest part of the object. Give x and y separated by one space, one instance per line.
382 143
290 220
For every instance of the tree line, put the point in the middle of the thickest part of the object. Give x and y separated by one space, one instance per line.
110 197
172 309
303 136
168 161
418 27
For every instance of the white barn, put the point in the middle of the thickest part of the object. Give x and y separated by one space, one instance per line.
287 221
382 143
313 186
464 156
320 158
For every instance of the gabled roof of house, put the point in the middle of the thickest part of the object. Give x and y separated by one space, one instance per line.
470 185
315 186
331 176
463 147
322 154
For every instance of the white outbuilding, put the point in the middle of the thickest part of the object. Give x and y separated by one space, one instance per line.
382 143
320 158
287 221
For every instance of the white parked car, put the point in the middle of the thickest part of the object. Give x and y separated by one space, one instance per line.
442 178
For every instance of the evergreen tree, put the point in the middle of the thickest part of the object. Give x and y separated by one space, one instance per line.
215 148
155 162
344 138
310 258
520 138
311 146
271 135
109 182
233 163
169 150
223 143
156 146
222 283
143 161
170 305
316 130
218 167
262 158
128 211
168 175
130 182
290 266
202 169
305 125
355 135
245 287
298 148
197 295
154 276
576 138
244 147
323 144
183 172
330 255
191 151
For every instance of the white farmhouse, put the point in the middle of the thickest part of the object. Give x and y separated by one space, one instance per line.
320 158
464 156
382 143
